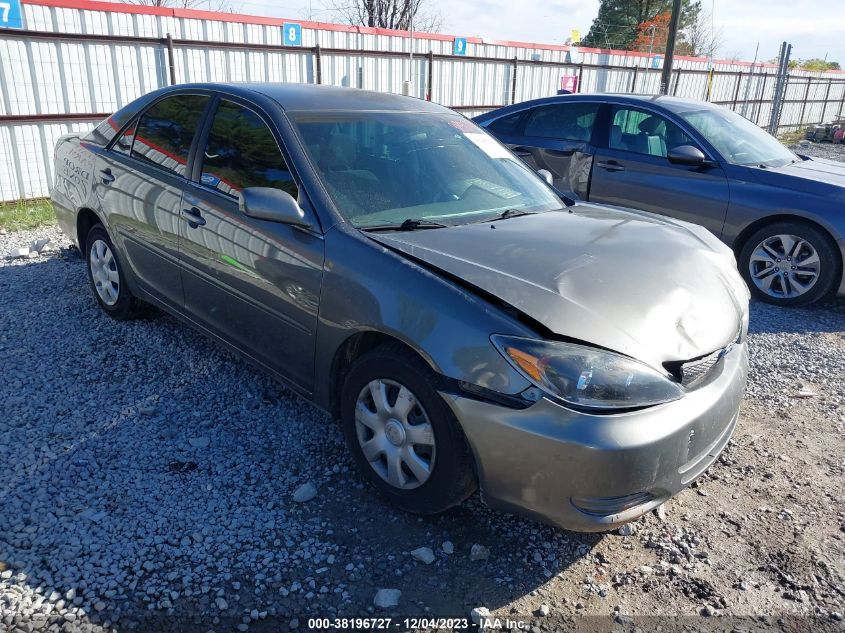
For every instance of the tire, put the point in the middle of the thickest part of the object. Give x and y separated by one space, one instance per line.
790 284
105 274
451 477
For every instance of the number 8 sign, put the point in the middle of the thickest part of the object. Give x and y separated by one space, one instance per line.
292 34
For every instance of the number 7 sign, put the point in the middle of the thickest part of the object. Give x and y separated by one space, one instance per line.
10 14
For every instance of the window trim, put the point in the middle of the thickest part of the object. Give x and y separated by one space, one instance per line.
528 112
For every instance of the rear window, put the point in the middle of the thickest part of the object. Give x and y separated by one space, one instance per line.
165 132
566 121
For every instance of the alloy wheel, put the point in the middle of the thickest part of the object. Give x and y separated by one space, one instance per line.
784 266
395 434
104 272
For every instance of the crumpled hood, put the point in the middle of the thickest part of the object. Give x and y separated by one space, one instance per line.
652 289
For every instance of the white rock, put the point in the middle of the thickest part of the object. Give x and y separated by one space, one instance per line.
41 245
645 570
660 511
629 529
305 492
448 547
543 610
199 442
18 253
70 595
479 552
424 555
221 603
387 598
478 614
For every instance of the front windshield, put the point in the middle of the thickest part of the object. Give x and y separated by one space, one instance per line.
382 168
737 139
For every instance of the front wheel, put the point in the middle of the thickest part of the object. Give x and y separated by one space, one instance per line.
402 435
790 264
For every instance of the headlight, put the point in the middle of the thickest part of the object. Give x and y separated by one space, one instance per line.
586 377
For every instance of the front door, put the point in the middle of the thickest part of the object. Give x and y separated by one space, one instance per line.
254 282
632 170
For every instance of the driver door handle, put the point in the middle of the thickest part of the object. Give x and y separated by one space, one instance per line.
193 217
610 165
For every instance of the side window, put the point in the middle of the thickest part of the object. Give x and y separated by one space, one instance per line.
566 121
644 133
242 152
124 143
509 125
166 130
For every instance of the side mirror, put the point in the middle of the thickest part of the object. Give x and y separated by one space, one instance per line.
275 205
686 155
547 175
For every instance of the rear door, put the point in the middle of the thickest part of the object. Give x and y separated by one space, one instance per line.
139 183
254 282
631 169
556 137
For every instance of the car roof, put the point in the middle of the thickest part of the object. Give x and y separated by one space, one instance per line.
312 97
673 104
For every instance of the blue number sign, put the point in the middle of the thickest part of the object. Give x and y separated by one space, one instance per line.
11 16
460 46
292 33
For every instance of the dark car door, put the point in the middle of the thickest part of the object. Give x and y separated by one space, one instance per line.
139 183
631 169
254 282
556 137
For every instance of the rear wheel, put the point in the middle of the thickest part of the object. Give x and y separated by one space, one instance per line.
790 264
106 276
402 435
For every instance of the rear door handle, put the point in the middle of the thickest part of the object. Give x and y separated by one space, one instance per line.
193 217
610 165
106 176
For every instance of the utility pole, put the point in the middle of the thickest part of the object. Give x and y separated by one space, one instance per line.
666 77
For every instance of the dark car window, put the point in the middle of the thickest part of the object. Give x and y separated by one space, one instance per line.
124 142
242 152
166 130
510 125
643 132
566 121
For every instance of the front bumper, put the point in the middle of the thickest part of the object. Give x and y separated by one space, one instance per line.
589 472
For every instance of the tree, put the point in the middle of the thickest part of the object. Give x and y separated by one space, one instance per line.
617 24
387 14
816 64
209 5
699 39
653 34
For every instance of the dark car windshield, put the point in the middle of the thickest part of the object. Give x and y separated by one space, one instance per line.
382 168
737 139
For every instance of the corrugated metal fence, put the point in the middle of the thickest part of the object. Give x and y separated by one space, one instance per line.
76 61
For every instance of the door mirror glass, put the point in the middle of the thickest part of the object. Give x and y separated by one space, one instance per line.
686 155
275 205
547 175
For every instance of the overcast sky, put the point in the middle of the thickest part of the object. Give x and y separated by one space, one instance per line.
814 27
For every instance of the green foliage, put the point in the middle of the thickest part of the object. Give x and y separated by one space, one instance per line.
618 21
26 214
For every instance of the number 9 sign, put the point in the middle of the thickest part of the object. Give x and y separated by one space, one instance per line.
292 34
459 47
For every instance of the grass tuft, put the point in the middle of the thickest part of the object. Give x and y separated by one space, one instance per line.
26 214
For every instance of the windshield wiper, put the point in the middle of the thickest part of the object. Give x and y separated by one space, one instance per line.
411 224
510 213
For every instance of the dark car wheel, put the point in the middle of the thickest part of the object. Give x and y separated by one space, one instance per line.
106 276
402 435
790 264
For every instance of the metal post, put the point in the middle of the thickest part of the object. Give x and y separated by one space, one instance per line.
736 90
634 79
513 81
171 63
318 63
580 77
430 75
666 76
804 104
709 84
677 81
826 98
760 97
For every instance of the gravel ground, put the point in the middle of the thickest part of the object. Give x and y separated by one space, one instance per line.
150 477
820 150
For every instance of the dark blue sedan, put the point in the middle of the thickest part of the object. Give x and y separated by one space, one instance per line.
782 213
